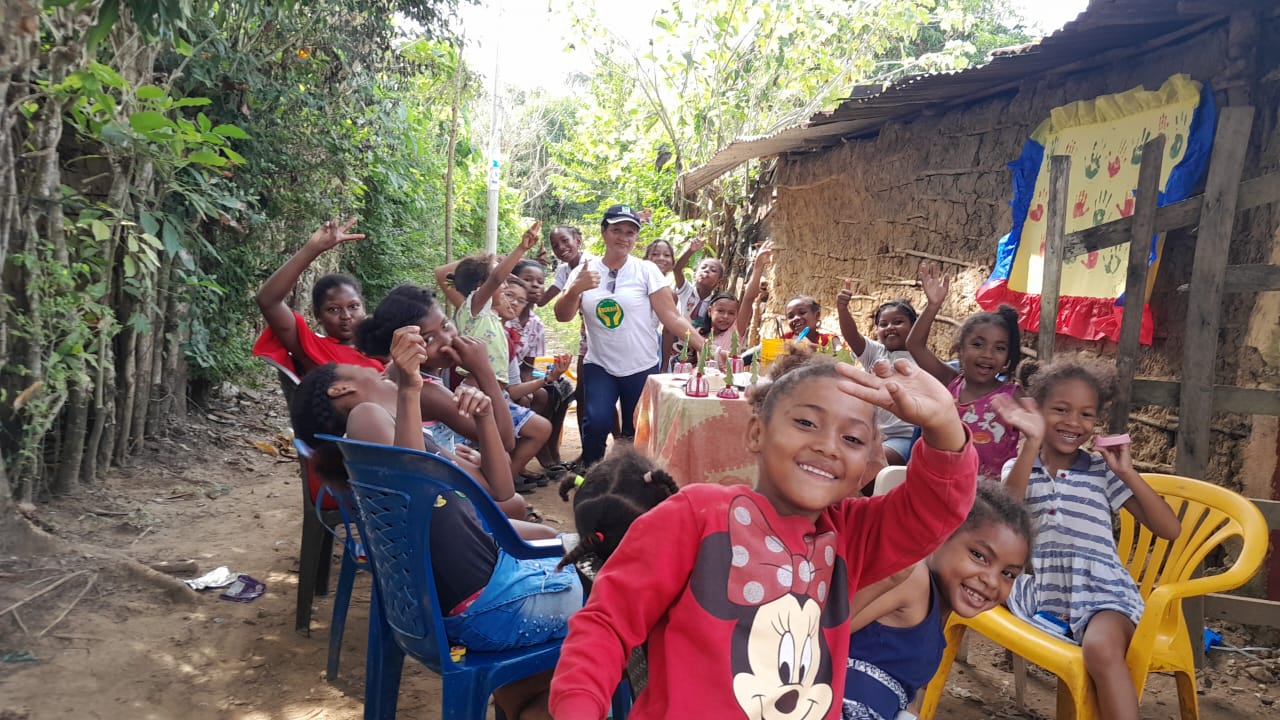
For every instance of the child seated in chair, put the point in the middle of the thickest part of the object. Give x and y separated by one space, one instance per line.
498 602
1078 576
897 638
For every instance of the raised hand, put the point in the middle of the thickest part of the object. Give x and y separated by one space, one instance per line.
531 237
765 253
697 244
587 280
903 389
936 285
408 353
1118 458
1023 414
333 233
470 354
472 402
560 367
845 295
645 215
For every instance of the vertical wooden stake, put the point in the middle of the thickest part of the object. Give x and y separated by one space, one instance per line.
1208 271
1217 221
1135 281
1054 239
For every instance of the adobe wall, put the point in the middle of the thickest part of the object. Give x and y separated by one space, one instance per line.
939 185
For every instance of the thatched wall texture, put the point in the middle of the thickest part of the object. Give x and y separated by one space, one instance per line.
938 184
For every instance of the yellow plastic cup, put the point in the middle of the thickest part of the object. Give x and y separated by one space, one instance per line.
770 349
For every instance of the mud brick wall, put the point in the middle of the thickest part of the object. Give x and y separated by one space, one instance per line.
938 185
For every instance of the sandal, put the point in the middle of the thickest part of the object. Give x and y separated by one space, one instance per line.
533 516
524 484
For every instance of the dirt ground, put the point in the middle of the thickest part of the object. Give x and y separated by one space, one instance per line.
114 639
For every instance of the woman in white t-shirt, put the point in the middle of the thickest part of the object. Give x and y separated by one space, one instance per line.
622 299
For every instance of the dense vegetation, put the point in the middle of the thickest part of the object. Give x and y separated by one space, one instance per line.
159 157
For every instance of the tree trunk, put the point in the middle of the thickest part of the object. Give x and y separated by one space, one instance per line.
458 72
98 452
156 418
66 480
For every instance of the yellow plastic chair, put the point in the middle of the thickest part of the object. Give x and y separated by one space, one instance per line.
1163 569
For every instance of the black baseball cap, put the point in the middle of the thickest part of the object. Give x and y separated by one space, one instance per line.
621 213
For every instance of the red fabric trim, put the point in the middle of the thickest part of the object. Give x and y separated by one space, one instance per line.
1079 317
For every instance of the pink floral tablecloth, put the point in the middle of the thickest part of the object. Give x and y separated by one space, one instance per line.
699 440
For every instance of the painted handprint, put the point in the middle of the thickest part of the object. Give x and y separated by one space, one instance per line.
1181 126
1127 208
1071 148
1100 207
1037 212
1136 158
1090 260
1081 200
1113 167
1163 124
1094 165
1113 262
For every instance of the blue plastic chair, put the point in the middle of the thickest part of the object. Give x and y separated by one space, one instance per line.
396 490
352 554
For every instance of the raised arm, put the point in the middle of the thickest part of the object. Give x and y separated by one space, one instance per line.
683 261
498 276
1146 505
271 296
848 326
936 287
747 306
1023 414
442 273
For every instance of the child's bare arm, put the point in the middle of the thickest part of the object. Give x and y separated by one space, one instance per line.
683 261
936 288
1024 415
442 274
749 294
498 276
849 326
887 596
1146 505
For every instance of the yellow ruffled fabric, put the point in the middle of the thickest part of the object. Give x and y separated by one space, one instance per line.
1106 108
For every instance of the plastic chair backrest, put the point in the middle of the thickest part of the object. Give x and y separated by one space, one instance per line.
1210 515
889 478
289 379
396 491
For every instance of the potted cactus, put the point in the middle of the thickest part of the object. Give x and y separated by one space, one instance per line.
735 358
696 385
729 392
683 366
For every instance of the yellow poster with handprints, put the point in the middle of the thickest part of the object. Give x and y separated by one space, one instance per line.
1104 137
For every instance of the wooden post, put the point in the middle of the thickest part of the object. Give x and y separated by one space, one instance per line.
1135 281
1208 271
1055 233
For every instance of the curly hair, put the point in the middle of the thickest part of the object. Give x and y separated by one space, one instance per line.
798 364
992 504
1039 380
471 273
1004 316
329 282
613 494
404 305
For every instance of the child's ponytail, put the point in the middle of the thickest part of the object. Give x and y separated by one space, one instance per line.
1009 316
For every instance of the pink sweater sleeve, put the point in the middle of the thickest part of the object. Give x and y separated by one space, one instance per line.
638 584
887 533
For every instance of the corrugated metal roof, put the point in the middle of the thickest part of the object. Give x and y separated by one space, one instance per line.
1106 27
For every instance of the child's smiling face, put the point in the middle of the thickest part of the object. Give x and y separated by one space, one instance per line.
892 328
975 568
813 447
1070 412
510 301
801 314
984 354
723 314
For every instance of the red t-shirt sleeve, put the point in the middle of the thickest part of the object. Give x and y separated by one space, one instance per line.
319 350
638 584
884 534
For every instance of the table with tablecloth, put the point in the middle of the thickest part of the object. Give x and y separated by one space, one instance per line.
698 440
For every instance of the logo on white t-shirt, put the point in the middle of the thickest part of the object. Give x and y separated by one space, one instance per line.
609 313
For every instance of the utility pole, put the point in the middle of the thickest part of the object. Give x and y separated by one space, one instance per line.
495 149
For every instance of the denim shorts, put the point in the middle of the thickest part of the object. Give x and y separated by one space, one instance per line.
527 602
900 445
448 438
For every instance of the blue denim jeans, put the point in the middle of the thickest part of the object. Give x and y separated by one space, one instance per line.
527 602
603 391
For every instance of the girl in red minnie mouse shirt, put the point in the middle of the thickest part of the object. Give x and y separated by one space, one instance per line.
743 595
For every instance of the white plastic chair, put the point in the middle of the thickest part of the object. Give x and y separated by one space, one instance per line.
889 478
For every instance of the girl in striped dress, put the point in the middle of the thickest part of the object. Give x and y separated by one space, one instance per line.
1079 582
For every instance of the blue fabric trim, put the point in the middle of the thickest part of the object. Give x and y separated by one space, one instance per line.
1025 170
